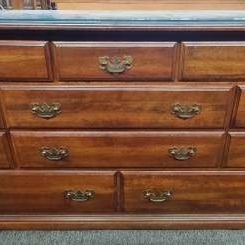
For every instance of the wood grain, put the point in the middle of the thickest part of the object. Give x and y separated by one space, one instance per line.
150 5
213 61
192 192
117 149
43 192
24 60
119 128
116 106
239 121
122 221
236 155
80 60
5 157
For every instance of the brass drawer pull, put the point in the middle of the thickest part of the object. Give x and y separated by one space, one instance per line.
182 154
186 111
157 196
54 154
80 196
115 65
45 110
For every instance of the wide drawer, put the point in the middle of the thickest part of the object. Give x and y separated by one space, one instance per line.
24 60
115 106
56 192
5 158
117 149
213 61
236 156
115 61
184 192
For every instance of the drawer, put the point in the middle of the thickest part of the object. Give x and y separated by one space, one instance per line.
66 149
184 192
56 192
115 106
213 61
115 61
2 126
24 60
236 156
5 157
239 121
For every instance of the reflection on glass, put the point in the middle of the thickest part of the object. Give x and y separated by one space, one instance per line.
27 4
6 4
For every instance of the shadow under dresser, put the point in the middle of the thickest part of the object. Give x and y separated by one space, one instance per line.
122 119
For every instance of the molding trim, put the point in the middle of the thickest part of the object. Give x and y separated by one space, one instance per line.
79 222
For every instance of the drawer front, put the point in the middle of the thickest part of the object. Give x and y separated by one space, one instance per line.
56 192
115 61
213 60
1 121
184 192
115 107
24 60
5 158
117 149
239 121
236 156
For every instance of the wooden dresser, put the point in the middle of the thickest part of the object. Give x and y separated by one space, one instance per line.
122 119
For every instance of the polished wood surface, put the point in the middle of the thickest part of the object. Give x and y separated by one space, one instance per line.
44 192
192 192
80 61
129 4
24 60
5 157
239 121
117 149
117 106
123 222
150 5
236 156
107 105
213 60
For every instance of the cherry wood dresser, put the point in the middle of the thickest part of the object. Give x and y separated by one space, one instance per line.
122 119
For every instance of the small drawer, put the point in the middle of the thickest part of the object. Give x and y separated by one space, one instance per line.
115 61
236 156
5 156
184 192
66 149
24 60
115 106
213 61
57 192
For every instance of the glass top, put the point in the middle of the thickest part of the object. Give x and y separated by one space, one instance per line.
128 17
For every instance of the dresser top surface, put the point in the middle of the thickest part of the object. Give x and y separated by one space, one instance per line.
143 18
